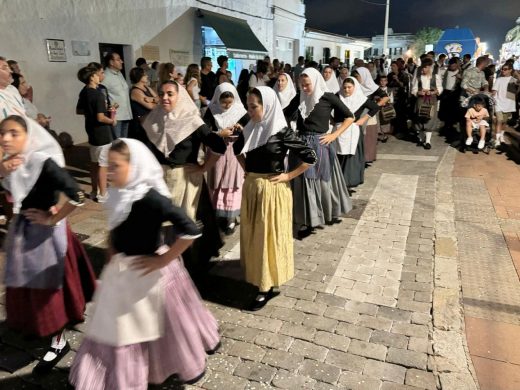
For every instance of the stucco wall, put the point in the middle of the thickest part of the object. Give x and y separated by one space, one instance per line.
27 23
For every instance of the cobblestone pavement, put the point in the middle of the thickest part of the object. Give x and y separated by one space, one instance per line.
359 313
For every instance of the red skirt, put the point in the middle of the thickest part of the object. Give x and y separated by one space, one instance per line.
43 312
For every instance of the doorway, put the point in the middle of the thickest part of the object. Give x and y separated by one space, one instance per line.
105 48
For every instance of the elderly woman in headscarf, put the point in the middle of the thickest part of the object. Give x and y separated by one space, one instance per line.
350 144
374 93
148 321
266 245
48 276
226 115
289 98
320 195
176 132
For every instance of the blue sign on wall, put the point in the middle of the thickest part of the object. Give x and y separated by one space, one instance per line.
456 42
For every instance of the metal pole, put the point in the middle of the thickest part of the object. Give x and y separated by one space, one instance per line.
385 36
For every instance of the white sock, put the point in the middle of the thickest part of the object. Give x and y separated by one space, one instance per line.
428 136
58 342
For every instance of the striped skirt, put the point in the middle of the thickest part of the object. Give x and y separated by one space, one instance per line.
189 332
266 244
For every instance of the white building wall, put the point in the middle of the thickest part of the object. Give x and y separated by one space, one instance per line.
164 23
401 42
337 45
289 28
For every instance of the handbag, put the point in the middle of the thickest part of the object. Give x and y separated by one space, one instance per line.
425 108
388 113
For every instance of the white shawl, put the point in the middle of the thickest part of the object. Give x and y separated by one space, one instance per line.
308 102
229 117
288 93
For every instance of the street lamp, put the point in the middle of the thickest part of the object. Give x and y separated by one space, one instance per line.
385 36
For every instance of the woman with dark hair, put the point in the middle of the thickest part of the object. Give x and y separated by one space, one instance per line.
320 195
159 326
143 99
192 83
289 98
48 276
226 116
166 73
22 86
266 247
243 86
176 133
373 92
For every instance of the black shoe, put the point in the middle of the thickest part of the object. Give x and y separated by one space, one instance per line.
196 379
384 139
45 366
304 233
214 350
333 221
230 230
259 302
427 146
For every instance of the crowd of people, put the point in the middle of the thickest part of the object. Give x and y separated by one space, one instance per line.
178 160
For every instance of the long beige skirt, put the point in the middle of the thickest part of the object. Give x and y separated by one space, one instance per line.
185 188
266 244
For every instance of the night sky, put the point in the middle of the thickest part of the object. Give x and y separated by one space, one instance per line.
489 19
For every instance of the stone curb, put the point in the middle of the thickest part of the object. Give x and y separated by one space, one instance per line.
451 363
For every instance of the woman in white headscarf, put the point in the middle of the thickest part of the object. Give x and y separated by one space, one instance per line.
48 276
266 245
148 321
289 98
330 80
320 195
350 144
376 94
176 133
226 114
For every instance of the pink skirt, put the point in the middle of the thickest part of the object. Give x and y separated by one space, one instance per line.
189 332
225 181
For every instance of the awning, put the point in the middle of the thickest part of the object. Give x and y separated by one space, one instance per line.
241 42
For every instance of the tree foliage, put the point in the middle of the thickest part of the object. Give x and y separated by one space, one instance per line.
425 36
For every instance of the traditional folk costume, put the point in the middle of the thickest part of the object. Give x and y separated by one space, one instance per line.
176 138
332 84
226 178
144 328
266 247
426 121
289 99
48 275
385 126
350 144
320 195
371 91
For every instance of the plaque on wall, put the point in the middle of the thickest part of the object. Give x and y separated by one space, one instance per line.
151 53
80 48
56 50
179 57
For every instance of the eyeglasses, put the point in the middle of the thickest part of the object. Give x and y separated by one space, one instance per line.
506 68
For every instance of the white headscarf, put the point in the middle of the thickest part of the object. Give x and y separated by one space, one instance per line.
307 103
144 174
332 83
288 93
39 147
229 117
273 121
367 82
356 100
167 129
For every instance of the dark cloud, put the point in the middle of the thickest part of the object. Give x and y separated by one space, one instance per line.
490 20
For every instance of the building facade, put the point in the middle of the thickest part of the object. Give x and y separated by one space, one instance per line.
53 39
320 46
289 28
398 45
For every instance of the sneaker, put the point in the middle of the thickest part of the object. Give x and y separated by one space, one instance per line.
481 144
427 146
497 143
102 198
502 138
469 141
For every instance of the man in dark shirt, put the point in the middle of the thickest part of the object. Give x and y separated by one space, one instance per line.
98 125
208 80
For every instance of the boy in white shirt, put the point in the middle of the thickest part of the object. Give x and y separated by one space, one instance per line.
476 120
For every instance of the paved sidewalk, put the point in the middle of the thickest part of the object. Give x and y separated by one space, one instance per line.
357 315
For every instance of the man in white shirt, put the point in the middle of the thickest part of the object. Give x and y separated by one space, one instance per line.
118 93
449 110
505 100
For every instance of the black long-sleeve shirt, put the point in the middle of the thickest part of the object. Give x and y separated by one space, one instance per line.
52 181
270 157
140 233
187 151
